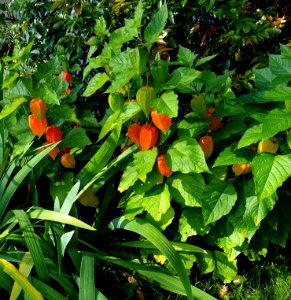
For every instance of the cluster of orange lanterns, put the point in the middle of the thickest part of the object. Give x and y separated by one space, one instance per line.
147 136
38 125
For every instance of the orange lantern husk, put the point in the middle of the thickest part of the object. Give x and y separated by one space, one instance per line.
68 161
161 121
66 75
53 134
241 169
206 143
133 132
37 126
38 108
148 137
163 167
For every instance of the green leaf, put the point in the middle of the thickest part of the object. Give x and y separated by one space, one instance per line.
185 155
192 223
217 200
186 188
275 121
166 104
10 108
279 65
270 171
95 83
60 186
229 130
33 245
76 138
47 69
62 112
157 201
192 126
87 277
163 245
251 136
230 156
263 77
100 28
181 76
224 269
285 51
185 56
160 71
156 25
204 60
9 79
101 157
141 165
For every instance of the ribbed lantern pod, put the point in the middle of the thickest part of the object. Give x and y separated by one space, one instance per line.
148 137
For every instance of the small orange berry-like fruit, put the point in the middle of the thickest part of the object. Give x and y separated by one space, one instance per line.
68 91
215 124
66 75
209 112
37 126
241 169
268 146
68 161
133 132
148 137
163 167
161 121
38 108
53 134
206 143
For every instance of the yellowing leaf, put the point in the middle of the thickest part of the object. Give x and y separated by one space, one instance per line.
88 198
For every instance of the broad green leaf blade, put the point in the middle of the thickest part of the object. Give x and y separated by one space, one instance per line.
95 83
270 171
60 187
156 25
204 60
9 79
185 155
10 270
158 239
185 56
217 200
33 245
276 121
181 77
87 278
251 135
101 158
19 177
186 188
10 108
230 156
166 104
47 69
157 201
279 65
224 269
142 164
49 215
192 223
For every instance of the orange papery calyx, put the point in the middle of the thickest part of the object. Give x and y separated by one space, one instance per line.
148 137
206 143
66 75
68 161
53 134
163 166
133 132
36 125
38 108
161 121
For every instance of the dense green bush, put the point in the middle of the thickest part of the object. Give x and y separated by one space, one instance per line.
207 211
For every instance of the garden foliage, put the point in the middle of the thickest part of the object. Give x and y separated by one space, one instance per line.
190 161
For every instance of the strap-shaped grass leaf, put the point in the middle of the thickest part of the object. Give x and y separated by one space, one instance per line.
12 271
270 171
49 215
19 177
25 268
47 290
87 283
70 199
32 242
151 233
157 274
